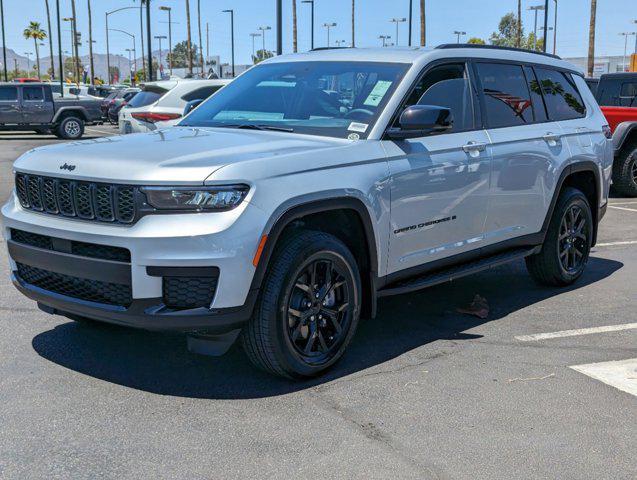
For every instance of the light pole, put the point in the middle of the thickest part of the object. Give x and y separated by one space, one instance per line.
263 30
254 35
397 21
130 70
339 43
410 20
28 54
384 38
160 38
328 26
555 29
108 56
61 64
4 48
311 2
279 27
458 33
134 51
231 12
625 35
170 38
535 8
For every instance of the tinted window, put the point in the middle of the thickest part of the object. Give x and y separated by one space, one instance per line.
539 110
201 93
8 94
144 98
446 86
35 94
628 94
563 101
338 99
506 95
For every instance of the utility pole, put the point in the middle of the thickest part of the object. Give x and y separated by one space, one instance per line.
207 43
546 20
397 21
311 2
410 20
591 38
231 12
353 23
150 46
170 38
75 45
279 27
90 43
141 32
61 64
4 46
423 24
328 26
201 66
555 29
48 22
189 37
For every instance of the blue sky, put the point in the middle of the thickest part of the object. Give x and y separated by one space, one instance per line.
476 17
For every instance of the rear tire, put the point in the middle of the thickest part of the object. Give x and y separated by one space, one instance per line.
625 171
308 309
70 128
567 244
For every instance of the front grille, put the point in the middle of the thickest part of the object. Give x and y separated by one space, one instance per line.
80 288
85 200
181 293
82 249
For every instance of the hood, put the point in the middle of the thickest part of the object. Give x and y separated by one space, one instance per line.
175 156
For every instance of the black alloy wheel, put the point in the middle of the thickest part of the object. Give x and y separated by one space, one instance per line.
573 239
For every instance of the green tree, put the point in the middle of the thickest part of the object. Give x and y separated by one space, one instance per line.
261 55
69 67
509 33
180 55
35 32
476 41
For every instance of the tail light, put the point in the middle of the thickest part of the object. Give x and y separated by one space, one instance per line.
608 133
154 117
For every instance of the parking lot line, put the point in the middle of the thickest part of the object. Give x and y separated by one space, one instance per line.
623 208
620 374
576 332
612 244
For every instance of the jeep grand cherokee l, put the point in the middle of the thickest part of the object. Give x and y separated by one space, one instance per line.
284 206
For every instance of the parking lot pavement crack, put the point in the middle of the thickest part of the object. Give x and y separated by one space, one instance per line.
374 433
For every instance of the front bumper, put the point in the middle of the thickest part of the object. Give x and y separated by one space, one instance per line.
225 241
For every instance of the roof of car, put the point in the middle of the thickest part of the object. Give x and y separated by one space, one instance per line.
413 55
620 75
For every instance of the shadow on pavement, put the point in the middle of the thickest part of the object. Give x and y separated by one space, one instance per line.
160 363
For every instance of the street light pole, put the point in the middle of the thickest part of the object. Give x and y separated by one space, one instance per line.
108 55
626 35
61 64
397 21
170 38
311 2
555 28
279 27
384 38
410 20
130 70
458 33
4 46
254 35
263 30
149 37
328 26
231 12
535 9
160 38
546 19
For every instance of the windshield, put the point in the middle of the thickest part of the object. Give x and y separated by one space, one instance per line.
335 99
143 99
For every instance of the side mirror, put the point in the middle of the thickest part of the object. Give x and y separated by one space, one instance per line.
191 105
420 120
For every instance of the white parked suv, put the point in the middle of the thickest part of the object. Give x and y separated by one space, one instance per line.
283 207
170 99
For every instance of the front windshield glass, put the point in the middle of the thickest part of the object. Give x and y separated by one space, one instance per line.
318 98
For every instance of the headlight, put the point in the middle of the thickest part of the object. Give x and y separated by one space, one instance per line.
196 198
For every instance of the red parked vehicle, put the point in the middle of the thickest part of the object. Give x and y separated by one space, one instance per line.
26 80
616 93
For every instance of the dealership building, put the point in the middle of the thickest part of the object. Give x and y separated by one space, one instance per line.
604 64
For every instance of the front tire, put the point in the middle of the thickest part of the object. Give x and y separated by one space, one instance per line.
70 128
309 308
567 244
625 172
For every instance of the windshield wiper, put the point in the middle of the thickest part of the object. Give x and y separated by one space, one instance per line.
252 126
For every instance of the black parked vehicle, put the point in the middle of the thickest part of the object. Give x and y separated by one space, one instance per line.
31 106
115 101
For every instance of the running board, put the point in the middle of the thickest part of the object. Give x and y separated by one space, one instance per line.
452 273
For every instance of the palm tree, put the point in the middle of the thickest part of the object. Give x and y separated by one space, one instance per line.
294 29
423 24
37 34
518 37
353 23
75 43
48 19
189 38
591 38
200 39
90 43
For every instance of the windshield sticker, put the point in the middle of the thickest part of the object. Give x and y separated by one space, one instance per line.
353 136
377 94
358 127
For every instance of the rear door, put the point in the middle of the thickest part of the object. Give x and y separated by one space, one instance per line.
527 149
10 112
36 108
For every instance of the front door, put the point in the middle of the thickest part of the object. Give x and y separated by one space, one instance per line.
10 113
439 183
35 108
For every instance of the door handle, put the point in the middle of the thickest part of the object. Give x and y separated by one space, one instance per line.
474 147
551 138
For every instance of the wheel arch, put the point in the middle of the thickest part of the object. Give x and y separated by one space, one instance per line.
319 215
625 133
64 112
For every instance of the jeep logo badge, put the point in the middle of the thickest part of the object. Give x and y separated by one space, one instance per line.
68 167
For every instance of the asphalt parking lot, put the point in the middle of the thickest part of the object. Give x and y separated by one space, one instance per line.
544 387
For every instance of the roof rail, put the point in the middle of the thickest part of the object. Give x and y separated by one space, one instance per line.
445 46
318 49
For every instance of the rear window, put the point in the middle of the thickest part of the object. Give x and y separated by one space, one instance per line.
506 95
143 99
8 94
563 101
628 94
33 94
200 94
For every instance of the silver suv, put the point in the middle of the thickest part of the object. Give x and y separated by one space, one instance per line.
283 207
